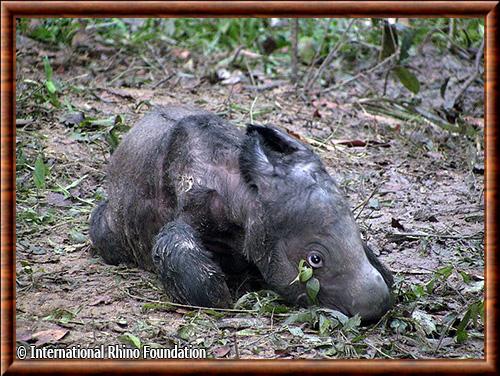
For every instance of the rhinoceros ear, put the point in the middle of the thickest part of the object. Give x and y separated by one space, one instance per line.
267 153
275 140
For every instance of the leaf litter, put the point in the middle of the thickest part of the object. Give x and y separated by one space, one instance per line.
415 190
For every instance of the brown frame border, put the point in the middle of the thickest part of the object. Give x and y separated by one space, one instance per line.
12 9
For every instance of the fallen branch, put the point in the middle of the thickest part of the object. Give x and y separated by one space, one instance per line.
406 112
401 236
361 143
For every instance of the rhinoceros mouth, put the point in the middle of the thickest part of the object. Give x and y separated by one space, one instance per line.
301 300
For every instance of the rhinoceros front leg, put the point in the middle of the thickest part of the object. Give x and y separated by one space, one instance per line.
187 269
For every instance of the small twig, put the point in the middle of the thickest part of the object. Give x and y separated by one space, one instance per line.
250 73
264 87
386 79
362 73
251 108
326 140
159 62
147 62
264 336
143 282
461 51
451 31
443 334
417 272
126 71
236 351
417 235
161 82
294 51
316 58
63 223
77 77
189 306
272 319
477 70
378 350
30 93
350 344
320 144
405 351
236 54
227 102
329 57
365 201
404 111
367 45
458 292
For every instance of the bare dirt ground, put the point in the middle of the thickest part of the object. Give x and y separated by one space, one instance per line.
416 190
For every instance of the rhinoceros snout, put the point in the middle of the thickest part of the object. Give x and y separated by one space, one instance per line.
373 300
366 294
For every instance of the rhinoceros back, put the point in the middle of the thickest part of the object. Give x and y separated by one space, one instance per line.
134 180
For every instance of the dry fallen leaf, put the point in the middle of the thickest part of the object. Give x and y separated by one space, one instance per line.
104 299
222 351
180 53
57 199
294 134
49 336
130 93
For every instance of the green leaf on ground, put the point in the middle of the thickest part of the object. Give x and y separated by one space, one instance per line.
296 331
51 87
40 173
408 79
131 339
47 68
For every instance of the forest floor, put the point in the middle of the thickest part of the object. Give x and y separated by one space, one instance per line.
417 192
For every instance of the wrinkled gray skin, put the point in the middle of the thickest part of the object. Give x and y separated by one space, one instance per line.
194 198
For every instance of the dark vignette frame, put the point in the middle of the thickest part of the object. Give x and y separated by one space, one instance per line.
10 10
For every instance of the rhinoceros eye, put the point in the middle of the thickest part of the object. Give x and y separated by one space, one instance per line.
314 259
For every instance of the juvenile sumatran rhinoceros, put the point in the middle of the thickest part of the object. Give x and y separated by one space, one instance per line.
190 196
